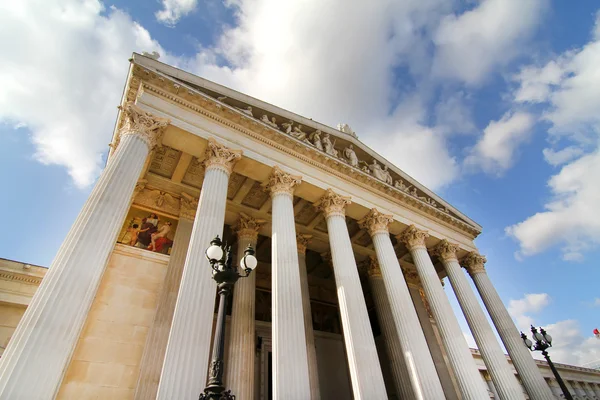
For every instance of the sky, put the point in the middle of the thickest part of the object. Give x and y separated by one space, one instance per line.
493 104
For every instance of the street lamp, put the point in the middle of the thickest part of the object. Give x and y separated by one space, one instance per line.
542 342
226 275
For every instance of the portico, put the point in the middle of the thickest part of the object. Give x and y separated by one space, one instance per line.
318 205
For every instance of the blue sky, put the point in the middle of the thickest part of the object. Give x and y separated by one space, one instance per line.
491 103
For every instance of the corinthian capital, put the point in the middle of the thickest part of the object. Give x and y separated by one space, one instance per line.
248 227
376 222
188 206
332 204
474 263
413 238
281 182
302 240
445 250
373 268
221 157
142 124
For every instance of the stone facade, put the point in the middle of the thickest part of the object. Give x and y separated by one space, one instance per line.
356 308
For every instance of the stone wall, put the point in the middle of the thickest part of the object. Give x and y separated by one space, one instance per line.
106 361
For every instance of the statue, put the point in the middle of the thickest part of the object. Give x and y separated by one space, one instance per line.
265 119
388 177
346 129
350 155
377 172
247 110
298 134
328 146
399 184
154 55
287 126
315 138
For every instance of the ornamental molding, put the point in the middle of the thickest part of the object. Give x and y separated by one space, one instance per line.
445 250
248 227
268 133
376 222
280 182
474 263
140 123
332 204
154 198
220 156
302 240
373 269
413 238
187 206
16 277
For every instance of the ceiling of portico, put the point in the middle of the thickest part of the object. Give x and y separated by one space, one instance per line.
176 171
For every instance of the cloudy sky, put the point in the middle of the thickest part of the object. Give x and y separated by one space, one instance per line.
491 103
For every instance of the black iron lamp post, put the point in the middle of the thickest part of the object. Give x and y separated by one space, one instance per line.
226 275
542 342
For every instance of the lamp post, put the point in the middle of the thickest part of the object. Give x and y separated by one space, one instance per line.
542 342
226 275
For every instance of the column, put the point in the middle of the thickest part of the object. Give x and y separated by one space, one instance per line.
596 388
184 370
43 342
242 339
555 388
399 319
363 363
490 384
500 371
158 335
579 390
467 375
588 389
311 351
519 354
290 362
570 388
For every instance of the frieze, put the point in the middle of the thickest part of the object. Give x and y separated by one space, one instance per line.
266 132
10 276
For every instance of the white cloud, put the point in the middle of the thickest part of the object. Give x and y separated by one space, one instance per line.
570 218
471 45
530 303
597 302
562 156
569 344
536 83
62 74
495 150
173 10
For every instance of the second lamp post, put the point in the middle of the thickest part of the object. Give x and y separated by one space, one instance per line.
226 275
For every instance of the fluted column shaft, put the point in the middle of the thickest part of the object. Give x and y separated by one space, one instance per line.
290 363
579 390
414 372
504 380
184 370
588 389
467 375
555 388
242 340
596 388
44 340
365 371
519 354
402 379
158 335
311 351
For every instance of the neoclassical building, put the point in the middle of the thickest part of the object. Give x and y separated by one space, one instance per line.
347 300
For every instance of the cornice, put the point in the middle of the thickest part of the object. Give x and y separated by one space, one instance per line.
200 103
